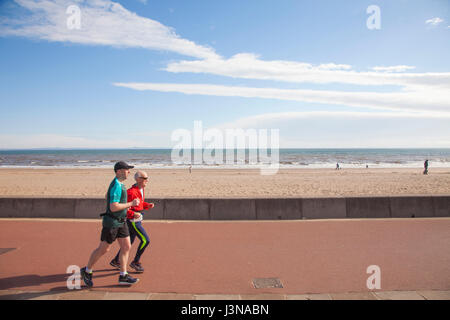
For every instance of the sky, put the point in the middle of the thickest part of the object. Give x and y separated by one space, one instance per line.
125 74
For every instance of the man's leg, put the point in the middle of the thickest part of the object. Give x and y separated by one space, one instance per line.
125 246
143 237
98 253
86 272
116 260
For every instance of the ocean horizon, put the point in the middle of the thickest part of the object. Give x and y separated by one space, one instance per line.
288 158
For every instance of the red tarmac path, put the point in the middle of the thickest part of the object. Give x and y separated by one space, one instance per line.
218 257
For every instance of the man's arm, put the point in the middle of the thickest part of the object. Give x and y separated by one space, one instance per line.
116 206
148 205
115 195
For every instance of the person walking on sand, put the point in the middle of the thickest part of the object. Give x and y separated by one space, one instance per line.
134 221
337 166
425 166
114 227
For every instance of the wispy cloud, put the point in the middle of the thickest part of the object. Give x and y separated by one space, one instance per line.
250 66
103 22
407 101
416 91
434 21
393 68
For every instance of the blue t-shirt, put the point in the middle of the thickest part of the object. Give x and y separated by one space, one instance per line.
115 192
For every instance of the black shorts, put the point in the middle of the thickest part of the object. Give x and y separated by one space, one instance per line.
111 234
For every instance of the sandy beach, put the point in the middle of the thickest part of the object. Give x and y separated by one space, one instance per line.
229 183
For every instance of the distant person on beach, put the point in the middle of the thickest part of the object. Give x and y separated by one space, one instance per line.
134 221
425 166
114 227
337 166
190 169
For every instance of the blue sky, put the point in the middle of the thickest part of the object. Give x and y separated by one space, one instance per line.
138 70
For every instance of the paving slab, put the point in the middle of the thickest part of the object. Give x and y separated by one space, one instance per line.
216 297
263 296
399 295
171 296
353 296
82 295
317 296
435 295
126 296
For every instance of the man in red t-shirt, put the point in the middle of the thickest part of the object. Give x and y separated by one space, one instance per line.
134 220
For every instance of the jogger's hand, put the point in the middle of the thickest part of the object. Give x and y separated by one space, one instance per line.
137 215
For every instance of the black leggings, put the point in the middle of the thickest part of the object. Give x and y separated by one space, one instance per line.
137 230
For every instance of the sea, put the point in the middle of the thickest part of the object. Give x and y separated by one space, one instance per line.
163 158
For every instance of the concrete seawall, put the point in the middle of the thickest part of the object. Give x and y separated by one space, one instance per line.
239 209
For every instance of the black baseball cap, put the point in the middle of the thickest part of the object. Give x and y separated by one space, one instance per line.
122 165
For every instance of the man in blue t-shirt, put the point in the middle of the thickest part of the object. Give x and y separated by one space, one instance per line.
114 227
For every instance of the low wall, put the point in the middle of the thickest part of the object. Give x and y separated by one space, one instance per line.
239 209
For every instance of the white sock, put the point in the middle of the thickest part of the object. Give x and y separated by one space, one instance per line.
88 270
123 273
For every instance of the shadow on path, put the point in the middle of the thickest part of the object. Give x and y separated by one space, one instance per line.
35 280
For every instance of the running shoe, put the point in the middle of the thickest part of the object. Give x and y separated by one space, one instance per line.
87 277
137 266
127 280
115 264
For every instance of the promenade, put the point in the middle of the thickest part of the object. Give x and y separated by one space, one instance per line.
291 259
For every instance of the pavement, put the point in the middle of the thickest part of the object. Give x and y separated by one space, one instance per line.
238 260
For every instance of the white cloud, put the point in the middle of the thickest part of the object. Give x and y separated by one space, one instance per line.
434 21
103 22
393 68
418 91
250 66
428 100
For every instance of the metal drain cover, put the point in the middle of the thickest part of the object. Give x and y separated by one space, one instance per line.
5 250
260 283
